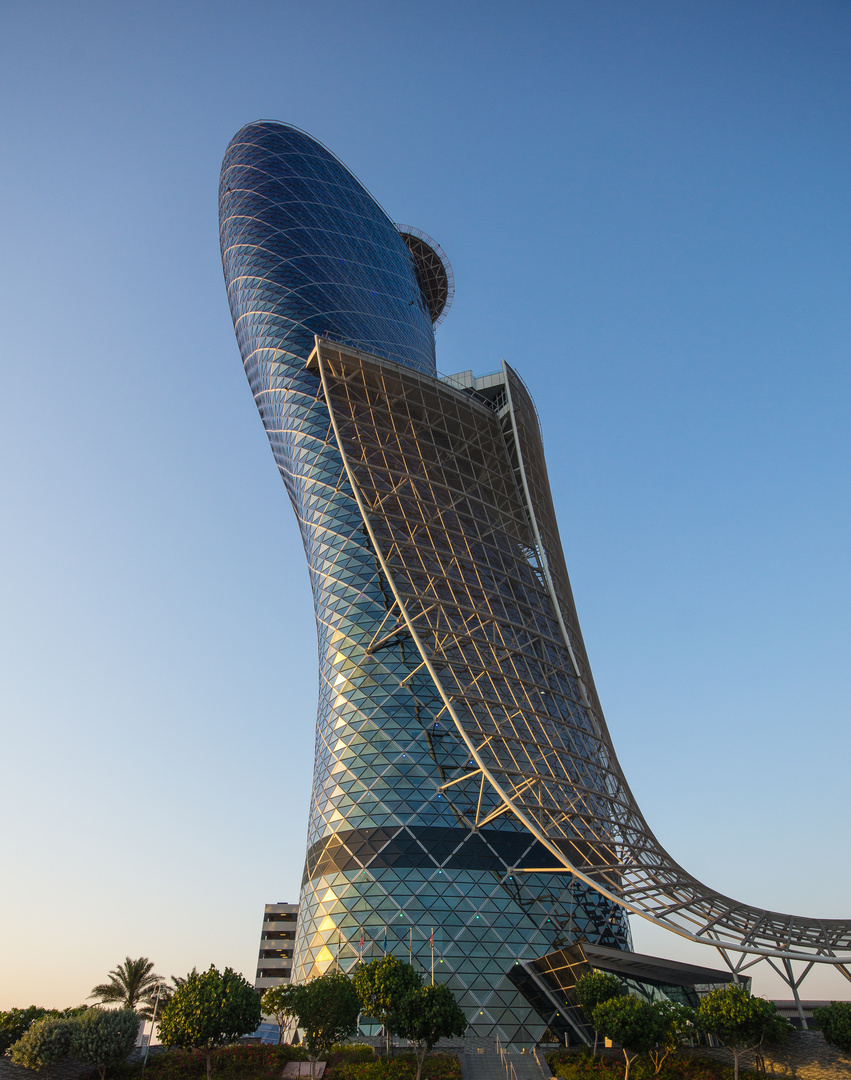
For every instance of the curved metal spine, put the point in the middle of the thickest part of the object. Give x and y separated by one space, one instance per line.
542 555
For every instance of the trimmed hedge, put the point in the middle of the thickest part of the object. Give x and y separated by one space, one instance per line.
349 1053
401 1067
580 1065
259 1061
253 1061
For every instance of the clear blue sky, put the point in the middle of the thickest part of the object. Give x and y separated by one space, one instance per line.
646 206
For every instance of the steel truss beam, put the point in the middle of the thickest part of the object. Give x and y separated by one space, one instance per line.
457 507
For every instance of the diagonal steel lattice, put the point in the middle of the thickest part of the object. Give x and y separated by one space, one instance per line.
453 490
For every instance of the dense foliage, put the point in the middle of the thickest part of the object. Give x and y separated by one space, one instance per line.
266 1062
580 1065
675 1026
381 985
16 1022
97 1037
46 1042
593 989
402 1067
630 1022
102 1038
240 1062
327 1009
210 1010
278 1002
426 1014
834 1021
740 1022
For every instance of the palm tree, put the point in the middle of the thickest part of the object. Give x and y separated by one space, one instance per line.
131 985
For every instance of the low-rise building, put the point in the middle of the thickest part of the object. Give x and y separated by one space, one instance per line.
277 939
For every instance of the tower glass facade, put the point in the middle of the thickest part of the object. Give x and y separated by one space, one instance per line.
408 849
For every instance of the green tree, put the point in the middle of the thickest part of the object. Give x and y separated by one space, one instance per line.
426 1014
381 984
592 989
633 1024
210 1010
16 1022
326 1008
166 993
101 1038
741 1023
834 1021
132 985
675 1028
278 1002
47 1042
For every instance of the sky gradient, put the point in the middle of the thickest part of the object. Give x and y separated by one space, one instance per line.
646 209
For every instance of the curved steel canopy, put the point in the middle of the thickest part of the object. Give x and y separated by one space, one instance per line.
456 503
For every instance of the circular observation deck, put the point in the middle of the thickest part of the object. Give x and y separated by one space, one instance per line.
437 282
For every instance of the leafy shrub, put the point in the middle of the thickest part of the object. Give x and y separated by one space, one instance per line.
16 1022
278 1002
593 989
241 1062
208 1011
834 1020
403 1067
381 985
631 1022
259 1061
740 1022
580 1065
326 1009
234 1062
254 1061
104 1037
47 1042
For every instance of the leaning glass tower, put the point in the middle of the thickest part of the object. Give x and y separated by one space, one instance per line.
425 515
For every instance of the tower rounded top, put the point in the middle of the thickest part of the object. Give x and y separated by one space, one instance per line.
437 282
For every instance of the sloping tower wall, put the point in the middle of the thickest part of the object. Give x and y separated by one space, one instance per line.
391 853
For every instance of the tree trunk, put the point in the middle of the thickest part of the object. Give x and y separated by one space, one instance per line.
421 1056
209 1056
595 1042
629 1060
735 1063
